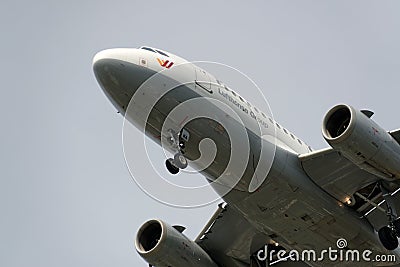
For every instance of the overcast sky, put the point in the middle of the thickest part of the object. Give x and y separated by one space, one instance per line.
66 196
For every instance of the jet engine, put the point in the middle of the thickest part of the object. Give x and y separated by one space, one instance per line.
358 138
162 245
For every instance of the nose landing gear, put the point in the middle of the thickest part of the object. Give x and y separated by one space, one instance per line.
179 161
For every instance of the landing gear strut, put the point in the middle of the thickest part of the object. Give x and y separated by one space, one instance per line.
388 234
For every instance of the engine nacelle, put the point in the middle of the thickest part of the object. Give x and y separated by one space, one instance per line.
161 245
358 138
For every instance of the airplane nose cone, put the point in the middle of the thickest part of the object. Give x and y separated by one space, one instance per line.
115 53
106 67
101 55
119 75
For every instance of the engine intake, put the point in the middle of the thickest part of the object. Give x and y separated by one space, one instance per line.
149 236
361 140
337 122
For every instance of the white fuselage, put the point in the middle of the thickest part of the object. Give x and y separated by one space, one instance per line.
141 83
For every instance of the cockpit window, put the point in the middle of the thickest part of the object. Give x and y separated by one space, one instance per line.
148 49
154 50
162 53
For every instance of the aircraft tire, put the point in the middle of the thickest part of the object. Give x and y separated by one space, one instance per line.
180 161
388 238
169 163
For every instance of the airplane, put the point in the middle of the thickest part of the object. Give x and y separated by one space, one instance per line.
279 193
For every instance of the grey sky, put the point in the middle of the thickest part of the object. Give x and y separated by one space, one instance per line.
66 197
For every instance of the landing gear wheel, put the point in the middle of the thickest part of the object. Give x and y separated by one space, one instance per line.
180 161
169 163
388 238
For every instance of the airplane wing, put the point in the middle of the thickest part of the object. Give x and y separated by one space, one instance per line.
228 237
230 240
335 174
349 184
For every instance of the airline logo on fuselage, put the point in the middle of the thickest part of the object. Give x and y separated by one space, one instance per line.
165 63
